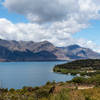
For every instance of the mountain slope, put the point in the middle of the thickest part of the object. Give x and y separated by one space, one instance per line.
77 52
42 51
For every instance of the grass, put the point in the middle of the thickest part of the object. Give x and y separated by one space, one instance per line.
55 91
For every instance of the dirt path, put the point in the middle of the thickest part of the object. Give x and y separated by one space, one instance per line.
85 87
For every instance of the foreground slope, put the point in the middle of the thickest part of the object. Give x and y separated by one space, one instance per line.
52 91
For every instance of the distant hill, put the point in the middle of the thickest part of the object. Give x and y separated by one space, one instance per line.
42 51
78 52
80 64
84 67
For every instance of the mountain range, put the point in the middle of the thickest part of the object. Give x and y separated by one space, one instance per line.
12 51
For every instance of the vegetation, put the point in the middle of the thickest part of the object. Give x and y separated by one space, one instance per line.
53 91
83 67
94 80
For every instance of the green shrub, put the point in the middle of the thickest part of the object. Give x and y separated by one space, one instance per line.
79 80
12 90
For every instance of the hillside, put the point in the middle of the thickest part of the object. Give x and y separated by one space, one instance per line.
78 64
83 67
11 50
54 91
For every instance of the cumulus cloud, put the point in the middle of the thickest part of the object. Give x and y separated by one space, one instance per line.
30 31
54 10
42 10
52 20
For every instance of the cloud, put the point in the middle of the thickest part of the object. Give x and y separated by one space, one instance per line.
88 44
59 31
43 11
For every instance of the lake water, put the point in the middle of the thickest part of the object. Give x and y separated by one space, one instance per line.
19 74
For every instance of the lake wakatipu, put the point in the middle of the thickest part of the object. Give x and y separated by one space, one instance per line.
19 74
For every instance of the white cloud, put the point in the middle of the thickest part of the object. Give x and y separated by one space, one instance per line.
59 31
29 31
42 10
88 44
55 10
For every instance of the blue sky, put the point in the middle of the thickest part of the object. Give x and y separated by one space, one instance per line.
14 17
91 33
51 21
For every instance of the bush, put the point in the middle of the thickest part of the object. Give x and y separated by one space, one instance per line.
48 83
41 93
12 90
79 80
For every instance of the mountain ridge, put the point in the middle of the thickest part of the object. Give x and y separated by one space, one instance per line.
11 50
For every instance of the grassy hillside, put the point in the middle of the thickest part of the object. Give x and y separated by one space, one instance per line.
83 67
53 91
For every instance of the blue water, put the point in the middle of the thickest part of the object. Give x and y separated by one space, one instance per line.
19 74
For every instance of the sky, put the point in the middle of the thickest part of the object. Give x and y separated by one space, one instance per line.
62 22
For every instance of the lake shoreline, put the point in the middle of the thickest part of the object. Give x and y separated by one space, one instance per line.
19 74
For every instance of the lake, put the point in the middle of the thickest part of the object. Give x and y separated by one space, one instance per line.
19 74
